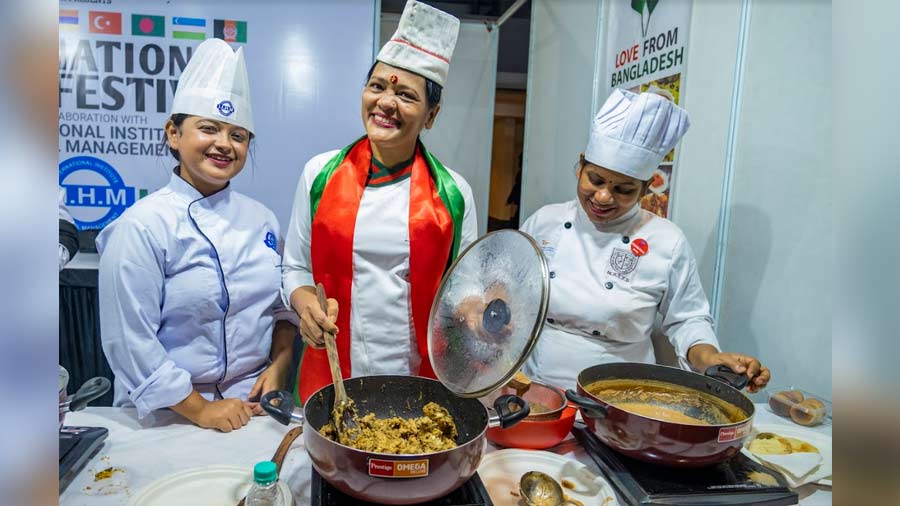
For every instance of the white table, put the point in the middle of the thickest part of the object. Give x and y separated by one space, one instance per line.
164 443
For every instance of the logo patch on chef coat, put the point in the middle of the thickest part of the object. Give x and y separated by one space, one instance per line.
622 263
271 241
547 248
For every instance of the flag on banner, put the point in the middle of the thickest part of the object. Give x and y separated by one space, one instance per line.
188 28
109 23
149 26
230 30
68 18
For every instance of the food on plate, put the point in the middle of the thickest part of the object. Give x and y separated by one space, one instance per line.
567 484
656 203
659 182
762 478
808 412
782 402
768 443
433 432
667 402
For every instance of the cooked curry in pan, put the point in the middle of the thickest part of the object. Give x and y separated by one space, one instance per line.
666 401
433 432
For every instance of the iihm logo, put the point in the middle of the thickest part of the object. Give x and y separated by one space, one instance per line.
95 193
644 7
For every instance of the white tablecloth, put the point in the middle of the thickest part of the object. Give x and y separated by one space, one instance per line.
165 443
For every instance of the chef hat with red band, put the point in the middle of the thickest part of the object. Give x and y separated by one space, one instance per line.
423 43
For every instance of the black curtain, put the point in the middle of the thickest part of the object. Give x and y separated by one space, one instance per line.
80 351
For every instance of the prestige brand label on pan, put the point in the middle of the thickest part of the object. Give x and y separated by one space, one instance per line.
727 434
398 468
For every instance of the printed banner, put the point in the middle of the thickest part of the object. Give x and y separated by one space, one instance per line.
647 47
119 64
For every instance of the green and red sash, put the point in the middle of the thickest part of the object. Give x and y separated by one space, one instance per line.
436 209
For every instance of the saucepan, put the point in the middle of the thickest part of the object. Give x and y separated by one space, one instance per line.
89 391
665 415
388 478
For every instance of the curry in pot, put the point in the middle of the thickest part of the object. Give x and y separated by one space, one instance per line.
666 402
433 432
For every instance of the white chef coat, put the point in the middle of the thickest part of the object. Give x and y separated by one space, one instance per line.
189 286
383 340
604 299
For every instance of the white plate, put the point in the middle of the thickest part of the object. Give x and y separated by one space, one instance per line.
212 485
663 186
500 471
821 441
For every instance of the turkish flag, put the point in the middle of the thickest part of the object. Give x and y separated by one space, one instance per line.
106 22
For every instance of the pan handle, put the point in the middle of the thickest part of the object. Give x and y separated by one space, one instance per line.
279 404
506 417
90 390
588 406
724 374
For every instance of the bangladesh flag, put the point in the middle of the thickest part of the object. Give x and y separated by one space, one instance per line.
150 26
230 30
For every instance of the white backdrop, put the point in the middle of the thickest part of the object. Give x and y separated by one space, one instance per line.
306 59
462 134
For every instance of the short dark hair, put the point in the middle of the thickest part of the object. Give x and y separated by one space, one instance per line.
432 89
178 119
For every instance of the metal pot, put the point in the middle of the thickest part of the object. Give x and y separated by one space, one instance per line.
388 478
664 442
89 391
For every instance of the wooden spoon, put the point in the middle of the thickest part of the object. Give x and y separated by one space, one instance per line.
281 452
343 413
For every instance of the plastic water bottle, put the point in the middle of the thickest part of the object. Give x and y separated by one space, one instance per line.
264 491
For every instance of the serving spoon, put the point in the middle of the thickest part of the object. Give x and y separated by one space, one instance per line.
540 489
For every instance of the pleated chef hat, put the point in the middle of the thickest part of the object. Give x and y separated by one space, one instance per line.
632 133
215 85
423 43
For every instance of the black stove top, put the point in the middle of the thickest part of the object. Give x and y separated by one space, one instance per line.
471 493
77 445
738 481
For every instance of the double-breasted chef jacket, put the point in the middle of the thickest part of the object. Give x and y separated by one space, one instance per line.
608 283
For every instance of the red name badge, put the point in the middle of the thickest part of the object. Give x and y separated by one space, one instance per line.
639 247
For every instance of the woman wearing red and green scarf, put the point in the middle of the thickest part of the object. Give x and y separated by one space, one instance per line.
379 221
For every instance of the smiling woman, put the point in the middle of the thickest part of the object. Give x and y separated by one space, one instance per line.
617 268
378 221
189 278
211 152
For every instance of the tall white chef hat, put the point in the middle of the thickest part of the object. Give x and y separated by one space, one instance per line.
423 43
215 85
632 133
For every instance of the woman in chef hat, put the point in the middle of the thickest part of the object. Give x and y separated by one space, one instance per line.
190 275
614 266
379 221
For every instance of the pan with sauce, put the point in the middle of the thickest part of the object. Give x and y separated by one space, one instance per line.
666 402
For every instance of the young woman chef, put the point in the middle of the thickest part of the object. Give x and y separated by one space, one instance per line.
190 275
615 266
379 221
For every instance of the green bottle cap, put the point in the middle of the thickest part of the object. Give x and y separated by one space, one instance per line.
265 472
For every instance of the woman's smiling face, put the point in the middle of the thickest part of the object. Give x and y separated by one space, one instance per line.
605 194
211 152
395 107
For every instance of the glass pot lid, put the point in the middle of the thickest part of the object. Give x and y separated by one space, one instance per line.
488 313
